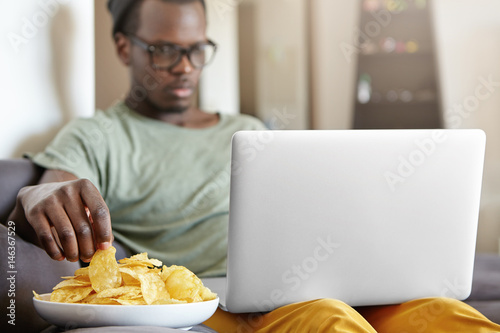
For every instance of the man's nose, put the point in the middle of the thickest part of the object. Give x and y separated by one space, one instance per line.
184 66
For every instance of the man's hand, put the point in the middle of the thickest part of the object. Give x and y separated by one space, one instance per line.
69 217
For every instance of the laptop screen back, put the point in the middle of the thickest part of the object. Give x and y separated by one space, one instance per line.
369 217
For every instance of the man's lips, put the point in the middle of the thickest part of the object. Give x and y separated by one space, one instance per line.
183 92
180 92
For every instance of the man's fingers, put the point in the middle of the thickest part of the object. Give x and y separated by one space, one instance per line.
65 232
47 240
99 215
62 206
83 230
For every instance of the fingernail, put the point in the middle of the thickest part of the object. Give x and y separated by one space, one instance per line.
104 246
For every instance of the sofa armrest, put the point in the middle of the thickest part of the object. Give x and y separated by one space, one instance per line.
15 174
23 270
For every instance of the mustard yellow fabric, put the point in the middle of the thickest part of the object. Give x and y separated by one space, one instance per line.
433 315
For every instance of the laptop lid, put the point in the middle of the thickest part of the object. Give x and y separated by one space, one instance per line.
369 217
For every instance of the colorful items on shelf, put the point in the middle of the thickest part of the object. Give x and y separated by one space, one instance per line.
412 46
389 45
364 88
366 94
403 95
394 6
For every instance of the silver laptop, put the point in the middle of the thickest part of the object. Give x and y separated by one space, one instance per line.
369 217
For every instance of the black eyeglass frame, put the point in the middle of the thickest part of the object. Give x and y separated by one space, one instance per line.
151 49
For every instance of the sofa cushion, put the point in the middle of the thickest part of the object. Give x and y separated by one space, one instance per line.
490 309
15 174
486 280
33 270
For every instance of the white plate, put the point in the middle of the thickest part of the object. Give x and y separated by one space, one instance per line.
69 315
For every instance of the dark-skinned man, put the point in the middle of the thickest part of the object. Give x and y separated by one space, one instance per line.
152 173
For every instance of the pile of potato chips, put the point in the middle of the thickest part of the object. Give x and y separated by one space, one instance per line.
137 280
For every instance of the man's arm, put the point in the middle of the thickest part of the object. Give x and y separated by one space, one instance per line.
64 215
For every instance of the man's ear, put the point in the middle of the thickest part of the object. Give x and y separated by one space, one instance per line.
122 45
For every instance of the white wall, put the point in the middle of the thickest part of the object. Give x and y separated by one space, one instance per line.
282 73
333 27
219 85
112 81
468 48
47 63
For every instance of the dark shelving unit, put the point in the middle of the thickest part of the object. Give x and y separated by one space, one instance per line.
397 83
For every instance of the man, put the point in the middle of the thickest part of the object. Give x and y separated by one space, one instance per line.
156 145
157 168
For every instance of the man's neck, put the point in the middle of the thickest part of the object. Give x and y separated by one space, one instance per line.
192 117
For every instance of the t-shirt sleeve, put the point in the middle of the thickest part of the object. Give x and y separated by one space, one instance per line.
79 148
253 123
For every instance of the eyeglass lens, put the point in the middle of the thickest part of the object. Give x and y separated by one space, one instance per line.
167 56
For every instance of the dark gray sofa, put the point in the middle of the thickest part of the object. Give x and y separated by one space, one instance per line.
16 173
485 295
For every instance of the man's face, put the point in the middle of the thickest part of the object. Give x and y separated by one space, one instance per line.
167 91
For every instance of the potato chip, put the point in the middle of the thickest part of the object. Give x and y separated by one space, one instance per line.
207 294
128 280
103 270
182 284
168 301
141 259
124 291
70 294
36 295
72 283
139 301
153 287
82 271
134 271
104 301
82 278
137 280
80 274
89 298
140 256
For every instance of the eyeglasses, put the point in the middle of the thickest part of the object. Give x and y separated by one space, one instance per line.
166 56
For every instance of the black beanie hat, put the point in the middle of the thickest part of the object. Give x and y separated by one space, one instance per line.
118 10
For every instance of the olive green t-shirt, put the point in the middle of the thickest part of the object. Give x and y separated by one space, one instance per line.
166 187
